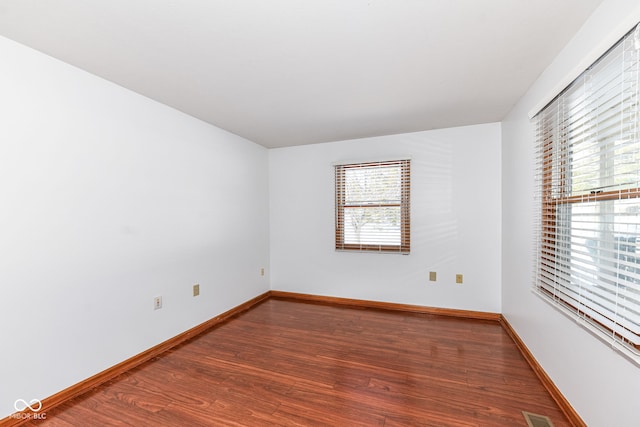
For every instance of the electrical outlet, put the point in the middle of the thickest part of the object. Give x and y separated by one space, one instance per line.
157 303
432 276
458 278
262 272
196 289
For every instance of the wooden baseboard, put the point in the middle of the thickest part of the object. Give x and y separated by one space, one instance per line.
555 393
478 315
108 374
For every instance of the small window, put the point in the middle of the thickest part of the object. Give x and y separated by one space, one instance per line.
372 206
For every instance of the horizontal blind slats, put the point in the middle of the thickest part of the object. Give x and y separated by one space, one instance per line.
588 204
372 205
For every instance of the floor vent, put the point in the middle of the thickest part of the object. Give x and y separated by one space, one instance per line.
535 420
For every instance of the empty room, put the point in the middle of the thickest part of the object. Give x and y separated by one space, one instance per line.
320 213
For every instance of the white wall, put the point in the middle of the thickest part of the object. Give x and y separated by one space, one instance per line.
455 221
108 199
601 384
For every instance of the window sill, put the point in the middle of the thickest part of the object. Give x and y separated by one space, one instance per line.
603 335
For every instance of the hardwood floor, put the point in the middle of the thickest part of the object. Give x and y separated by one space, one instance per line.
288 363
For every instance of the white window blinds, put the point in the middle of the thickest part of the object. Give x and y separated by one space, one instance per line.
372 206
588 181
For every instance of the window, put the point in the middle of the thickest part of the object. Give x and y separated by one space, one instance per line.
588 210
372 206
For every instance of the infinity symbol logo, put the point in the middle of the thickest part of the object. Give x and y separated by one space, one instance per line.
37 405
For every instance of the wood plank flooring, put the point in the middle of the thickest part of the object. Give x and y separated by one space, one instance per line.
286 363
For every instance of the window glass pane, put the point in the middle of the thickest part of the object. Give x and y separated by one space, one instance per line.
372 185
374 225
599 114
604 238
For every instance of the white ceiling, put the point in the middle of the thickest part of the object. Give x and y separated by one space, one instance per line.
291 72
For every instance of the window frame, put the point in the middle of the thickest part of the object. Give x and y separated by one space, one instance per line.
559 267
341 204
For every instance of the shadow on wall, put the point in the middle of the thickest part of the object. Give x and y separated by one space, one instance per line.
432 190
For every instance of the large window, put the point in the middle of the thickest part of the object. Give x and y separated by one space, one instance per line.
588 139
372 206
